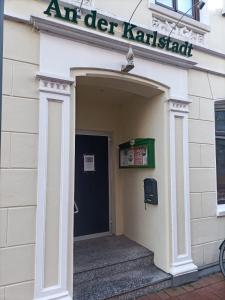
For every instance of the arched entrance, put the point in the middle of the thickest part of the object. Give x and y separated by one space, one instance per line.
123 108
131 107
109 200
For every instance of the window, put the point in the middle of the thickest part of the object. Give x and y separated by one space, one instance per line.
220 150
182 6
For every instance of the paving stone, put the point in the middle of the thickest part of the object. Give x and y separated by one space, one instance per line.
218 277
163 295
145 298
190 296
153 297
219 289
207 294
175 291
188 288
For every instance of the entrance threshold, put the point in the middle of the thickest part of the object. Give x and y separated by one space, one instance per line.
91 236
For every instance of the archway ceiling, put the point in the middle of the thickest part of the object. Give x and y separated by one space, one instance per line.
125 86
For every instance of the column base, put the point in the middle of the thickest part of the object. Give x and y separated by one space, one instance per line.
182 268
183 273
57 296
185 278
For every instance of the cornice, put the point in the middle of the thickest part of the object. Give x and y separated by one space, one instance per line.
206 69
102 40
114 43
51 83
16 18
210 51
179 105
55 78
201 48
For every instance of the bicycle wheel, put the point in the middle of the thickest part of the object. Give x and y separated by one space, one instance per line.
222 258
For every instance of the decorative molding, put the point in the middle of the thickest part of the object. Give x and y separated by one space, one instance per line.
180 31
179 105
54 87
201 26
54 84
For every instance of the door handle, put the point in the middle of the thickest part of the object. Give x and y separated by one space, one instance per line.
76 209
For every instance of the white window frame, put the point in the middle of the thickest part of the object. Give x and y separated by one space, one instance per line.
220 207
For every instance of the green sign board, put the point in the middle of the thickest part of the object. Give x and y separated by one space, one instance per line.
129 31
137 153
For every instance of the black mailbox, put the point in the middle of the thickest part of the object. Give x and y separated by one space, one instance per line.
151 191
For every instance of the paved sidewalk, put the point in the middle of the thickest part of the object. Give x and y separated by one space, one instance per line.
211 287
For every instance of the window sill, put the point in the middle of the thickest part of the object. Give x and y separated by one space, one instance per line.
220 210
203 28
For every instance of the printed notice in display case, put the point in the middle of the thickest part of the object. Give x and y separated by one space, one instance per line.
89 163
138 153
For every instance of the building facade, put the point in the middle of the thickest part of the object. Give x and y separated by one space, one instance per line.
62 78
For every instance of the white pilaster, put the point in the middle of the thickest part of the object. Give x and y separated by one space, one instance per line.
53 89
181 259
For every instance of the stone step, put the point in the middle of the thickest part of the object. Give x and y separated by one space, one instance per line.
100 252
123 285
113 268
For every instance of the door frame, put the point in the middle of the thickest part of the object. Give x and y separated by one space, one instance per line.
109 136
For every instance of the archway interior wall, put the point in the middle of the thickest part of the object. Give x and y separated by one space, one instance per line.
149 226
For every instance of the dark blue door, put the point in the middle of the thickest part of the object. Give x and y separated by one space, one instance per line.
91 185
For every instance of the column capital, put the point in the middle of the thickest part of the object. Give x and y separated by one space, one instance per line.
179 105
52 83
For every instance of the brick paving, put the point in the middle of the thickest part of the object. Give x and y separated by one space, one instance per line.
211 287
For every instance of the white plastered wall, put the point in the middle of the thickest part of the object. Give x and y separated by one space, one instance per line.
149 226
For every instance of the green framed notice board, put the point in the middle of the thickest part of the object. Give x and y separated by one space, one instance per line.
137 153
